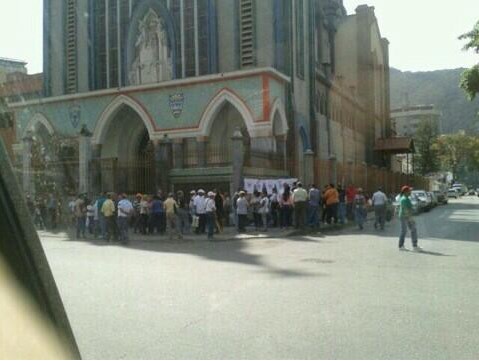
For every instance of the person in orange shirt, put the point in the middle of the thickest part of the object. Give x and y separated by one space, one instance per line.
331 199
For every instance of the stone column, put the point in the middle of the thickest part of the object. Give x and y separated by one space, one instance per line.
308 176
237 161
334 169
281 149
201 143
178 154
163 162
95 169
84 163
28 184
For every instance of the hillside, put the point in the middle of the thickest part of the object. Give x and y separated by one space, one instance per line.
440 88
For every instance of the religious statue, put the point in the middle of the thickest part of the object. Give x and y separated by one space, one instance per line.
152 62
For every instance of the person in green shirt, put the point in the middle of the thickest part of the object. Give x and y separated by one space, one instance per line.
406 219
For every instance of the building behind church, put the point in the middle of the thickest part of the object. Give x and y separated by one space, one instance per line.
173 94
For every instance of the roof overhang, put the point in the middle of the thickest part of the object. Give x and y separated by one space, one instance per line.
395 145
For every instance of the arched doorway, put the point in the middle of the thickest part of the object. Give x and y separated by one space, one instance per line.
226 122
127 154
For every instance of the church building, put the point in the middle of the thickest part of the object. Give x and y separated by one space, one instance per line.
141 95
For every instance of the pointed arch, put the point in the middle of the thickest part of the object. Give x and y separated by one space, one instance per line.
215 106
278 109
112 109
38 118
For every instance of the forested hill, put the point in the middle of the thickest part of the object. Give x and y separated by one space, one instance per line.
440 88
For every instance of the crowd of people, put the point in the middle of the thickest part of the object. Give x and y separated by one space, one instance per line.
111 216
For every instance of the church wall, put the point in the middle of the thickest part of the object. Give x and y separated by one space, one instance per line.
228 41
347 52
156 103
265 46
82 46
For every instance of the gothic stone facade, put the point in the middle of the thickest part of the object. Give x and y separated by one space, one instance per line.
141 94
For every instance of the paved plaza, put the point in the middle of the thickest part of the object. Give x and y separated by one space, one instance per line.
342 294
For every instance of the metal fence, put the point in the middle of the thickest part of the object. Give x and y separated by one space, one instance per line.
370 178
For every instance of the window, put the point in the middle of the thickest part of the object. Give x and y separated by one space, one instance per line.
71 50
247 33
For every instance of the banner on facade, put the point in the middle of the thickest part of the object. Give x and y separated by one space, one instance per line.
251 184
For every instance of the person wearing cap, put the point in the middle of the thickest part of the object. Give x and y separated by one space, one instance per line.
407 221
199 203
379 202
242 211
210 214
171 210
359 206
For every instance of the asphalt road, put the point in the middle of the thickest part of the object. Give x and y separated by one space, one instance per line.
346 295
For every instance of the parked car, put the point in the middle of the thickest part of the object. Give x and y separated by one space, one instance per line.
425 201
461 188
441 197
414 201
453 193
434 201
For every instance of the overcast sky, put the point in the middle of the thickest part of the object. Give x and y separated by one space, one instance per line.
423 33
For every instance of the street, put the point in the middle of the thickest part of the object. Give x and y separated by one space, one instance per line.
341 295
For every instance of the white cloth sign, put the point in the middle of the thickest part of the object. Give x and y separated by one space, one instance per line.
251 184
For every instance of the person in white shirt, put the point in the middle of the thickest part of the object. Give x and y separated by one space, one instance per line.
199 203
125 210
210 212
379 201
264 210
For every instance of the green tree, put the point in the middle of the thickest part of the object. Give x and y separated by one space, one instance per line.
426 160
458 153
470 77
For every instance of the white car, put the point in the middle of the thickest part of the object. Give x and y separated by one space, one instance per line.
453 193
425 202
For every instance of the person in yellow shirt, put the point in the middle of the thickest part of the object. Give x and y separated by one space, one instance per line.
171 208
108 210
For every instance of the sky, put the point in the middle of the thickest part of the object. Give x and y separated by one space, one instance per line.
423 33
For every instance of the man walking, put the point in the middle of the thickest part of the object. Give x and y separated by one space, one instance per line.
300 198
379 201
242 211
407 221
125 211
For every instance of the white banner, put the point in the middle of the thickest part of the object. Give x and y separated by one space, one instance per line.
251 184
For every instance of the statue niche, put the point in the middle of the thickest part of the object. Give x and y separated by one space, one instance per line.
152 59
